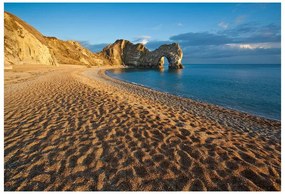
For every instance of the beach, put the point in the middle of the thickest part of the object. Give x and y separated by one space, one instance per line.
72 128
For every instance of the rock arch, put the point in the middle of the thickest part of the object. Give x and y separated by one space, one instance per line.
172 52
123 52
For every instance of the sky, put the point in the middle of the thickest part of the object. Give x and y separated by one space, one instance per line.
209 33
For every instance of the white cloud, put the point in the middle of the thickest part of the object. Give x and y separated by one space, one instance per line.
268 45
142 39
242 46
223 25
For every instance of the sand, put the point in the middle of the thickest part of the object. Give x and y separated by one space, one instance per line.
75 129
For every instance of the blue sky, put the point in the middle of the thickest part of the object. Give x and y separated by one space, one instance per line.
207 33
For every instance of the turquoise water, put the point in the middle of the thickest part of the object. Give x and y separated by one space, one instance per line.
254 89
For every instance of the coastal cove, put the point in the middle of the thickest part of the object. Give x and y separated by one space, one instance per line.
131 97
253 89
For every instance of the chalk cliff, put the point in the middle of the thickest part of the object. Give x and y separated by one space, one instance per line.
23 44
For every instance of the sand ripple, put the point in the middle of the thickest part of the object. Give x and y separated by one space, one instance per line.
66 132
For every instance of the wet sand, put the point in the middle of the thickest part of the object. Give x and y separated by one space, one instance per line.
72 128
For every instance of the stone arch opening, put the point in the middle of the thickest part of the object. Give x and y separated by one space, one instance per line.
164 62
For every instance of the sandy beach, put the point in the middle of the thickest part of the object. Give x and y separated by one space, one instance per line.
72 128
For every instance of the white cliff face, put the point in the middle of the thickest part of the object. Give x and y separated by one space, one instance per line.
23 44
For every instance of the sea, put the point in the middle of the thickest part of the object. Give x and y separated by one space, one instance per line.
250 88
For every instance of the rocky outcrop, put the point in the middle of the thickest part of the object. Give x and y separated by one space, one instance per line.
123 52
23 44
72 52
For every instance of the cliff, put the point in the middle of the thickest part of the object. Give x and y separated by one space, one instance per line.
23 44
72 52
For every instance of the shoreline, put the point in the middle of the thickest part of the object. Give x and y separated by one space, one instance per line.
189 98
224 116
76 129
